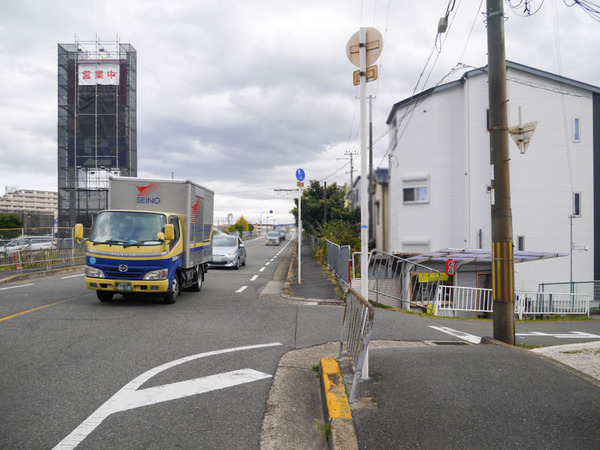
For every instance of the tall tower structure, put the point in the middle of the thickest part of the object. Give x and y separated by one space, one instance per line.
97 130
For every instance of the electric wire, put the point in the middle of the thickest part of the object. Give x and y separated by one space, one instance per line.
592 9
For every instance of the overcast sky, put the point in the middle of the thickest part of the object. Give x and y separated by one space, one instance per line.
236 95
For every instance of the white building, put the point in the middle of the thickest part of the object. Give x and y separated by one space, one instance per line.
440 174
29 200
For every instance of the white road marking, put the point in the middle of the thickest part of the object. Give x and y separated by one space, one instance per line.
130 397
573 335
261 269
267 263
15 287
459 334
73 276
242 289
254 278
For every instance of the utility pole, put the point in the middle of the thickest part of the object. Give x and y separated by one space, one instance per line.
351 156
502 242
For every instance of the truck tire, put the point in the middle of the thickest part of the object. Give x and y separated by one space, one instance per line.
200 279
171 295
104 296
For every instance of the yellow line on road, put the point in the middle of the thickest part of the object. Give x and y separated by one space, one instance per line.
22 313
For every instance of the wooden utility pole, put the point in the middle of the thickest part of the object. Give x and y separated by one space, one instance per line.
502 242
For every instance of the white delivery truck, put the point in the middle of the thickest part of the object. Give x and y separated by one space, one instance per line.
155 238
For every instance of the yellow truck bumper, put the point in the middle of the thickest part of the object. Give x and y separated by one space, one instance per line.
127 286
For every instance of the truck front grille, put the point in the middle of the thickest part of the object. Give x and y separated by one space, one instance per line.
131 274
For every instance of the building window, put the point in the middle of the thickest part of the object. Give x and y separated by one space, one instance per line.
415 189
577 204
521 243
576 129
416 194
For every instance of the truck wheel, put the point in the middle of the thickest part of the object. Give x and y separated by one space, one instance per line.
171 296
198 284
104 296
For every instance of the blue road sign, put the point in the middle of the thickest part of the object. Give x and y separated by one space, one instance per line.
300 175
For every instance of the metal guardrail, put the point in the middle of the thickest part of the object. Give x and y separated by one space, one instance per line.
397 282
338 257
457 298
453 299
357 326
39 248
591 288
548 303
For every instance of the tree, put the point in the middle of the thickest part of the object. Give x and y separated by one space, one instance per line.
239 226
10 221
341 225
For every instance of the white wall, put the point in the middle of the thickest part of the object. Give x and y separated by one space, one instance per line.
447 140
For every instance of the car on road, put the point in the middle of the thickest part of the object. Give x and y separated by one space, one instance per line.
29 243
273 238
281 233
228 251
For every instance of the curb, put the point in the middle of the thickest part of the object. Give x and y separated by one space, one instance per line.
39 274
336 408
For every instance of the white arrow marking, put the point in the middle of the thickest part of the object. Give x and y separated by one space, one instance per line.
573 335
130 397
459 334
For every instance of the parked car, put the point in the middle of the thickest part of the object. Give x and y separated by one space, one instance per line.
273 238
30 243
228 251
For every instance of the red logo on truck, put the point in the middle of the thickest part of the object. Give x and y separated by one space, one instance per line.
195 209
145 191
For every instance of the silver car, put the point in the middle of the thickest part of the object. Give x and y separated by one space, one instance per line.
228 251
273 238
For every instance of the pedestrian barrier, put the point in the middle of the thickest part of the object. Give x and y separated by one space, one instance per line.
454 299
591 288
357 325
338 257
39 248
548 303
398 282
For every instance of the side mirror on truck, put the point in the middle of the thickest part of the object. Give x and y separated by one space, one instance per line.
79 232
169 232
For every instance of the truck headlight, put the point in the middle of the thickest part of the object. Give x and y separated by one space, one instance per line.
92 272
161 274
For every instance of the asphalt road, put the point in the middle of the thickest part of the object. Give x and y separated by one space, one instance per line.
140 374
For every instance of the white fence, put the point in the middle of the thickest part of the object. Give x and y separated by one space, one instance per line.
453 299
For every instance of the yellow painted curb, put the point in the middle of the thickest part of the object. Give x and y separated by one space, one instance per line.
338 406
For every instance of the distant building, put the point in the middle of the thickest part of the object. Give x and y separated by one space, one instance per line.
97 126
29 200
440 189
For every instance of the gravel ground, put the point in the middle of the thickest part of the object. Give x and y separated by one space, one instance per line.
583 357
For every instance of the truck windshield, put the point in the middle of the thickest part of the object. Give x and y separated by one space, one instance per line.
128 228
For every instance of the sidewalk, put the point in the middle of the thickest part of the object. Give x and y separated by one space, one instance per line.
315 283
424 394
